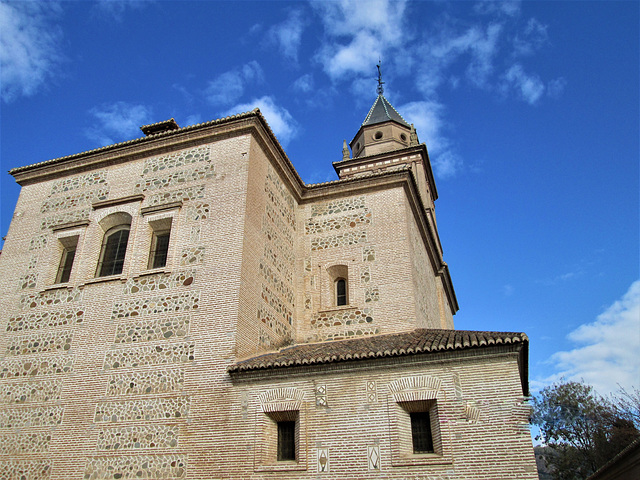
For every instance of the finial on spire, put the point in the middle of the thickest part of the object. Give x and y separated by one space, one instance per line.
380 82
345 151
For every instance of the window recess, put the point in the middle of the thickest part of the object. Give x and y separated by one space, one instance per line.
69 247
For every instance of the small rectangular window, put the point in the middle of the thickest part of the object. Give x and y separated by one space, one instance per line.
286 440
159 249
421 432
69 246
66 264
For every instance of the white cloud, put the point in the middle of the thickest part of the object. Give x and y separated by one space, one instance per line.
556 87
116 8
427 117
118 122
304 84
288 34
528 86
533 38
608 355
29 47
510 8
229 86
359 34
279 119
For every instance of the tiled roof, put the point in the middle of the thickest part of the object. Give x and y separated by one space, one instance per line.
421 340
383 111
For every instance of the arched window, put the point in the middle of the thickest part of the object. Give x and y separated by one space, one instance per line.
341 292
114 249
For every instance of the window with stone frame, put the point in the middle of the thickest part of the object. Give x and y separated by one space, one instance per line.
114 244
339 278
417 434
282 438
159 249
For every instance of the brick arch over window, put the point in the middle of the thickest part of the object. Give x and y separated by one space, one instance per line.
339 275
116 229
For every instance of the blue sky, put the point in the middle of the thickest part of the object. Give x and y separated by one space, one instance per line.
530 112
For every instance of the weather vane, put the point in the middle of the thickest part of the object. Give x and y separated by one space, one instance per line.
380 82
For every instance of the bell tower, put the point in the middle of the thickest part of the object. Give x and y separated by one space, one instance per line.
383 130
386 141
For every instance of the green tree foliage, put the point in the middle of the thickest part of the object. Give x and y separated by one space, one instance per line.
582 430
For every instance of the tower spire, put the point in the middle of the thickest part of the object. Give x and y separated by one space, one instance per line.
380 82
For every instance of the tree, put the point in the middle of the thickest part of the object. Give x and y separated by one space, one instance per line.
582 430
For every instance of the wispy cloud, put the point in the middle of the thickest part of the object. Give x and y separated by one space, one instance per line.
427 117
509 8
279 119
606 355
117 122
288 34
304 84
528 86
532 39
29 47
229 86
115 9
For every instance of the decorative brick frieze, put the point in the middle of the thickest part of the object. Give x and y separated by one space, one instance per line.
30 367
175 303
38 242
192 255
197 212
175 160
371 294
337 206
172 179
368 254
74 200
47 342
183 194
149 355
24 443
147 330
40 416
136 467
159 281
25 470
342 318
45 319
30 392
50 298
340 240
146 409
276 283
320 225
65 217
79 181
158 381
138 437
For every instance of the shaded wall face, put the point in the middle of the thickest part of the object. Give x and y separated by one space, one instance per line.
101 376
267 310
371 240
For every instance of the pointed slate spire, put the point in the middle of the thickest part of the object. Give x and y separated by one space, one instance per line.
345 151
383 111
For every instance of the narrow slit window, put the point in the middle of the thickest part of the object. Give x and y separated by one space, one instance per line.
341 292
66 260
159 249
421 432
286 440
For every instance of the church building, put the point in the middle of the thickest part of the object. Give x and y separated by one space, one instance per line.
184 306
